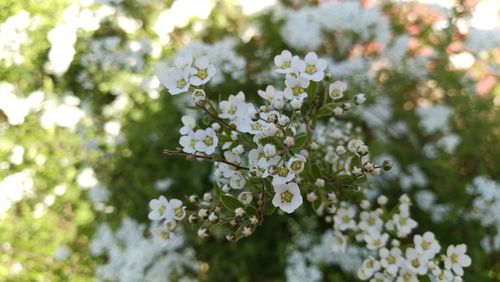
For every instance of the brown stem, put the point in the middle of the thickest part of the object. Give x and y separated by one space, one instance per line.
180 153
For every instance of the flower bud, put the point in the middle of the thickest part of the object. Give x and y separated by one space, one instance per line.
387 165
239 212
213 217
296 104
362 150
230 236
382 200
337 111
199 95
283 120
320 183
340 150
208 197
289 141
193 199
203 213
215 126
193 219
346 106
368 167
254 220
311 197
247 231
269 150
203 233
359 99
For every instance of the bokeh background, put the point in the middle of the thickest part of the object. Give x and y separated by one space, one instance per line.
84 120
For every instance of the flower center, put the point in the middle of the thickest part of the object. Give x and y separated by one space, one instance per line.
282 171
426 245
209 141
310 69
285 65
286 197
296 90
454 258
415 263
336 93
165 235
179 212
181 83
255 126
296 165
402 221
202 74
391 260
162 209
371 221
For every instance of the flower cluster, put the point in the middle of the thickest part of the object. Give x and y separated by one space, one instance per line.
169 211
382 232
266 156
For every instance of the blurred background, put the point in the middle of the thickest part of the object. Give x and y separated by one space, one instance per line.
84 120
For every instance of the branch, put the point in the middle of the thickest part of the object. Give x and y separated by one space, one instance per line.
194 155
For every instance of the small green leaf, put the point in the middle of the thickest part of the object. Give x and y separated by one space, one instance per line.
300 140
359 180
251 210
269 209
217 191
230 202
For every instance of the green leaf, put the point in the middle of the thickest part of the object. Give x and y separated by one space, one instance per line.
217 192
345 179
251 210
230 202
359 180
300 140
269 209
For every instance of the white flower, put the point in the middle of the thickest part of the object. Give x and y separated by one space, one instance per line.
389 259
374 240
158 208
295 88
415 262
370 221
404 224
287 197
427 244
314 67
283 61
168 210
230 107
269 150
368 268
183 62
336 89
206 140
202 71
188 143
275 98
189 123
282 175
456 259
344 219
296 164
338 242
176 80
406 275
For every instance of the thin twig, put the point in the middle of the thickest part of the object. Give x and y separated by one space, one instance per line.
180 153
261 203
